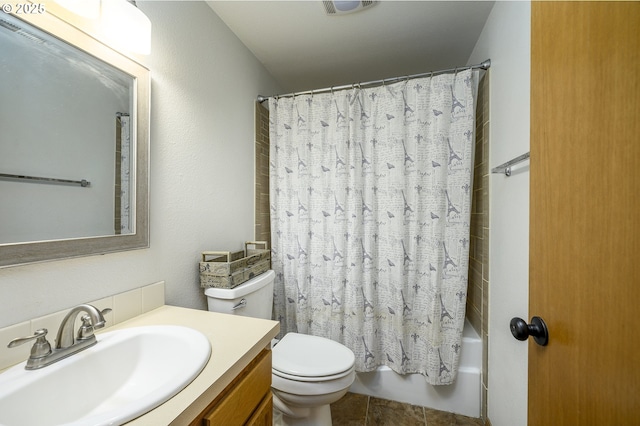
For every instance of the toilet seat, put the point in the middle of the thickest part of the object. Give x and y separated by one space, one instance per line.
306 358
310 379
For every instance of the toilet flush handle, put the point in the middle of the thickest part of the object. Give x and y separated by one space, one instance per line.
241 304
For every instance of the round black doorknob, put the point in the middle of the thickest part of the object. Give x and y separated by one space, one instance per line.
537 329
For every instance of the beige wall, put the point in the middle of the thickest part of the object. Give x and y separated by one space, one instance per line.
506 40
204 83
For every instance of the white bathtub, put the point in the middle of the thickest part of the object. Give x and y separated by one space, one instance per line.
462 397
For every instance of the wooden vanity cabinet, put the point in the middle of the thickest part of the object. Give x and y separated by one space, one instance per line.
246 400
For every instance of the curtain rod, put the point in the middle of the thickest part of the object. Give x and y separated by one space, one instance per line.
484 66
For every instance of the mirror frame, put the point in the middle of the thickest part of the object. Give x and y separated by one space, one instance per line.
14 254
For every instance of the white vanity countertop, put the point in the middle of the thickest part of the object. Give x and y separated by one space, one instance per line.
235 341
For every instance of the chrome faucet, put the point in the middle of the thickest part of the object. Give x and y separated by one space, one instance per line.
93 321
67 342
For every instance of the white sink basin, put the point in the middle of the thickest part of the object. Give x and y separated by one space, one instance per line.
127 373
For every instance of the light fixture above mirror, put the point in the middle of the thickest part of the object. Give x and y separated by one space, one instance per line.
123 25
86 8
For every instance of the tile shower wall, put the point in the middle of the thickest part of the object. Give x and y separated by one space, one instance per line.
263 225
478 290
124 306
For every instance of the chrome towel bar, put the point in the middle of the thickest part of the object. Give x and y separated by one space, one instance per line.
83 183
506 167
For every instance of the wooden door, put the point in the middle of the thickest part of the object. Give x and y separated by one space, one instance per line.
585 213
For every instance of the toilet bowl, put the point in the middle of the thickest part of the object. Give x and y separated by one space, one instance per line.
308 372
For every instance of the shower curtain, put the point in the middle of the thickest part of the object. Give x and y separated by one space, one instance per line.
370 193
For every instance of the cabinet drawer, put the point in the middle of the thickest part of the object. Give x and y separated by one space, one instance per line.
239 403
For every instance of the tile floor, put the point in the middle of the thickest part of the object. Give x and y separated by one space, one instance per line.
362 410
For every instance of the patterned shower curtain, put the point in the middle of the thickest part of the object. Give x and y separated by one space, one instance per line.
370 205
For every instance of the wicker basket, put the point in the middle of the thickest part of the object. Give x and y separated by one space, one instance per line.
226 269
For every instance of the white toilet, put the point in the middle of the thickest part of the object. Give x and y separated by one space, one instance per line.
308 373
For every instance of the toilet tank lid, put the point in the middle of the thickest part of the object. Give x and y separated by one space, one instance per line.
254 284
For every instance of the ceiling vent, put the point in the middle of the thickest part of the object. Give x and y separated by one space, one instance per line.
338 7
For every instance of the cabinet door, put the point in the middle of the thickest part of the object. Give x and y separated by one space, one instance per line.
263 416
244 396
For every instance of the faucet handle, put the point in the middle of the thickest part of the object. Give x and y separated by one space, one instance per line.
40 348
86 329
102 322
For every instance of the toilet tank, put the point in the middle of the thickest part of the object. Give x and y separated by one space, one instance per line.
253 298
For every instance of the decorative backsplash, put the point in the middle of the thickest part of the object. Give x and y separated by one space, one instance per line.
124 306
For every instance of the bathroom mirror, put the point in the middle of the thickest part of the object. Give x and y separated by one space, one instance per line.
74 142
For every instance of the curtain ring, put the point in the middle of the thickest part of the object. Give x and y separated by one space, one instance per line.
403 83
